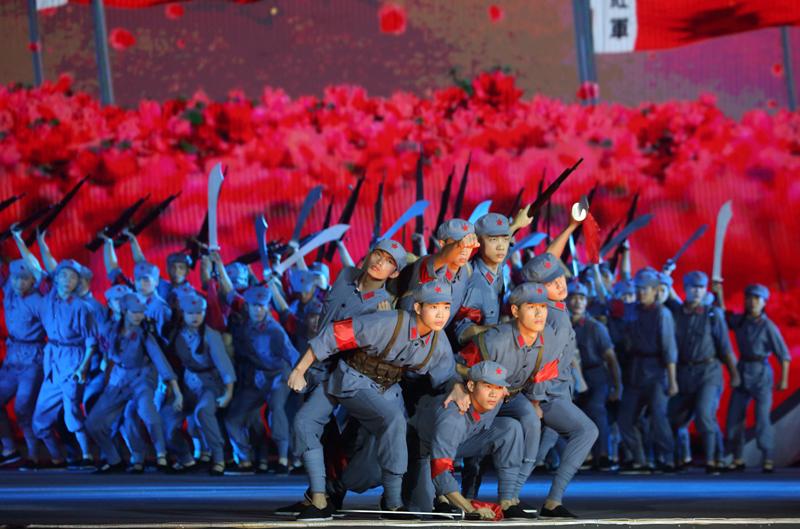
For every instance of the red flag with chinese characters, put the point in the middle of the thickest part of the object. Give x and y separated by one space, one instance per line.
620 26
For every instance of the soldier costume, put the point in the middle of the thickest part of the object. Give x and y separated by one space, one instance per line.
206 381
268 358
439 435
506 345
652 349
702 339
381 348
138 362
756 339
552 388
21 374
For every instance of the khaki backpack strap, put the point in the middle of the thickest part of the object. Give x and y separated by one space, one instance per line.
482 346
469 270
430 353
400 314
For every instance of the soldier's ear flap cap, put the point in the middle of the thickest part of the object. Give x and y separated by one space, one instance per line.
695 279
20 268
433 292
258 295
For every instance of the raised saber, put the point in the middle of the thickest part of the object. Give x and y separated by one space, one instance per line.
417 209
696 235
261 236
637 224
723 219
479 211
215 179
334 233
311 198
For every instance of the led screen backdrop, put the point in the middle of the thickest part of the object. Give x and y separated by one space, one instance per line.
289 95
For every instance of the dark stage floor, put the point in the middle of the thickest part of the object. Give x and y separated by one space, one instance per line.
71 498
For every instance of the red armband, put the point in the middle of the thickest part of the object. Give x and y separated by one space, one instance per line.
345 337
440 465
548 372
471 354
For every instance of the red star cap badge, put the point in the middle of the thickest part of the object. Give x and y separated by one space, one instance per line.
465 227
302 279
499 371
500 222
394 246
438 289
540 291
259 296
547 265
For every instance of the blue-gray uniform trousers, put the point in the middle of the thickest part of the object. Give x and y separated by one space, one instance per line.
21 382
379 413
503 440
134 387
699 391
566 419
524 412
60 391
199 400
593 403
634 401
269 387
757 381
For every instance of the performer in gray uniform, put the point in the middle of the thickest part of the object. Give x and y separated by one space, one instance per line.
519 347
21 374
138 362
551 389
438 434
757 337
703 344
381 348
207 385
653 354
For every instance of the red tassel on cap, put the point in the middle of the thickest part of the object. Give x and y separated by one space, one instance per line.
591 234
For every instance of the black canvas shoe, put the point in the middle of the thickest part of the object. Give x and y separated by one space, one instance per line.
312 513
713 470
559 513
82 464
29 466
528 508
52 467
515 512
10 458
107 468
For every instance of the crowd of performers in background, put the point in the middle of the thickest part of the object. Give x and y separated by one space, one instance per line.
390 375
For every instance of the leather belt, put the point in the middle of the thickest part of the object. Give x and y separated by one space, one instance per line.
700 362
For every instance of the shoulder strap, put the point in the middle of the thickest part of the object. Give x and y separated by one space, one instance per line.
397 328
430 353
482 346
469 270
538 363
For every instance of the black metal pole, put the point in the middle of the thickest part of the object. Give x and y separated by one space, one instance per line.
101 53
35 45
787 67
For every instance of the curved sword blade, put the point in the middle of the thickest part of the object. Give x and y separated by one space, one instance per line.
414 211
215 179
479 211
311 198
723 219
637 224
325 236
696 235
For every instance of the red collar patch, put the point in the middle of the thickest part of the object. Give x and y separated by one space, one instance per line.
428 338
413 333
560 305
367 295
476 416
132 336
489 277
449 274
521 341
261 327
69 299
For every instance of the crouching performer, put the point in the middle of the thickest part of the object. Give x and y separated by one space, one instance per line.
379 349
438 435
